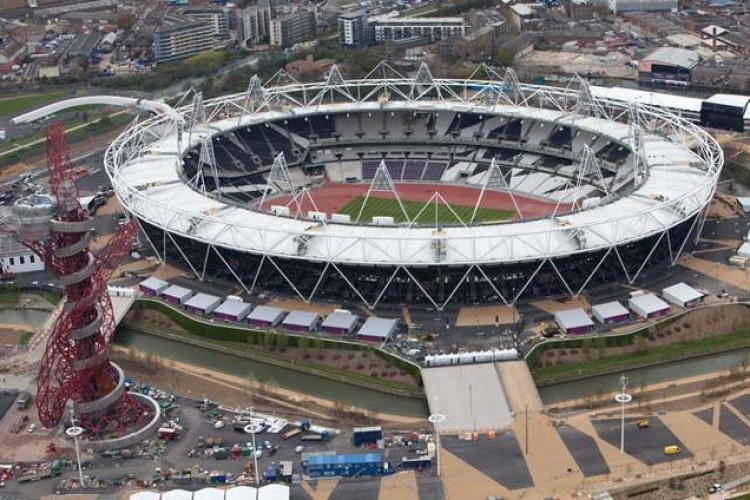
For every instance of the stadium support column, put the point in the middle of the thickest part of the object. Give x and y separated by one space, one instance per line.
382 183
495 180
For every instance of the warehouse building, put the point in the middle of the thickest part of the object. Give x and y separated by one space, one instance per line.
153 287
176 295
16 258
202 303
668 65
622 6
377 329
682 295
725 111
610 313
340 323
265 316
348 465
648 306
574 321
302 321
233 310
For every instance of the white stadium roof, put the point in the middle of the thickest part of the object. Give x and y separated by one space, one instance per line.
151 186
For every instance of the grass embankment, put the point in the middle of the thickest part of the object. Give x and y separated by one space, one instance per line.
382 207
560 360
10 106
25 338
254 343
8 297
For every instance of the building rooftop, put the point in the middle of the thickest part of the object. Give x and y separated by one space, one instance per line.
683 292
648 302
202 301
340 320
301 318
573 318
610 309
672 55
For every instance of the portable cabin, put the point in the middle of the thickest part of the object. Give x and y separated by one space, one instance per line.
152 287
610 313
648 306
574 321
682 295
377 329
232 310
177 295
265 316
301 321
340 323
202 303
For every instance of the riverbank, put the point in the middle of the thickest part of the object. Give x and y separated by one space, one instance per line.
199 382
690 335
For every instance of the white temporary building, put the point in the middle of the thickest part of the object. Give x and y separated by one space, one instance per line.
153 286
610 312
241 493
574 321
233 310
177 495
265 316
273 492
377 329
340 323
209 494
177 294
302 321
648 305
202 303
682 295
744 203
744 250
145 495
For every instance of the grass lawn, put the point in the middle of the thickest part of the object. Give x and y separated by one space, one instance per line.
12 105
648 355
376 207
9 297
26 337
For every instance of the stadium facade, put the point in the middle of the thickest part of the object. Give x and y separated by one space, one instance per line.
629 185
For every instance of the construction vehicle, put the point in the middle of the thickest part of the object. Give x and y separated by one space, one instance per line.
549 328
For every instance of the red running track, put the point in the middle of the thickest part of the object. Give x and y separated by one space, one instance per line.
333 196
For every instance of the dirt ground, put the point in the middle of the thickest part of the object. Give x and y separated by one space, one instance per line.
485 316
552 306
697 324
723 206
299 305
12 333
365 363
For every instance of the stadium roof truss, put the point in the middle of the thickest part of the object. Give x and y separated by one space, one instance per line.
677 163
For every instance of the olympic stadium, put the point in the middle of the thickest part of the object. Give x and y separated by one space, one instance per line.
394 189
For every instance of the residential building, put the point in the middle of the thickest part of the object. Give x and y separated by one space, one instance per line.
293 28
217 18
256 23
181 36
430 29
16 258
620 6
354 30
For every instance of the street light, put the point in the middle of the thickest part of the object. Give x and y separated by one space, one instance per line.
623 398
75 432
435 419
252 427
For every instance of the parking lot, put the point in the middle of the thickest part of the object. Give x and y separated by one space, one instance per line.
646 445
585 451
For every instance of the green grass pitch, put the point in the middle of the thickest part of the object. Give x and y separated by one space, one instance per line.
382 207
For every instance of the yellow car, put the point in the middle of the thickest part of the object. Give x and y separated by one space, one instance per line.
644 424
672 449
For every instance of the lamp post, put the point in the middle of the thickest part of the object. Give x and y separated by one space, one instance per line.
75 432
252 427
434 419
623 398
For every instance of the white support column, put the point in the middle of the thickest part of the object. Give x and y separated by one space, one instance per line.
494 180
207 158
589 170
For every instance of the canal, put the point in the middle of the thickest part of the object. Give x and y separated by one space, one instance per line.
274 375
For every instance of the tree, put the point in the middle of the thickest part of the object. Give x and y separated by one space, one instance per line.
125 20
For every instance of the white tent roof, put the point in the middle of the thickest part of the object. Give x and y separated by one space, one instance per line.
573 318
340 320
202 301
241 493
683 292
649 303
232 307
177 495
145 495
265 313
610 310
378 327
745 202
154 284
301 318
273 492
177 292
209 494
744 250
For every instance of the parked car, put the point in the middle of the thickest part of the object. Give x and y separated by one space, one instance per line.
672 449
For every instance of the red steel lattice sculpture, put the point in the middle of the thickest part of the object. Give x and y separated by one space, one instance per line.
75 366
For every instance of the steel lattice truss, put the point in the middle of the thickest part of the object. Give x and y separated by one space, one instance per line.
75 366
539 244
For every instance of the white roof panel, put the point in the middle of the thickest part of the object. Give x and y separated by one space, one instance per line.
265 313
241 493
209 494
301 318
673 55
154 284
683 292
177 495
573 318
739 101
340 320
273 492
202 301
145 495
232 307
649 303
610 310
378 327
177 292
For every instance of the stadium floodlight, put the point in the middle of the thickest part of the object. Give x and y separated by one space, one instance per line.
254 97
494 180
383 183
334 87
586 104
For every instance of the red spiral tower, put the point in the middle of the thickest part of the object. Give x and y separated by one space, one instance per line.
75 366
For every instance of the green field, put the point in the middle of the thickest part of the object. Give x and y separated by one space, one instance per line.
10 106
381 207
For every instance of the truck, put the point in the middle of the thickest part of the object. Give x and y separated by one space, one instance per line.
416 462
290 434
367 435
316 437
23 401
168 433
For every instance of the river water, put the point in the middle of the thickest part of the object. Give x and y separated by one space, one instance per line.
274 375
24 316
643 376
